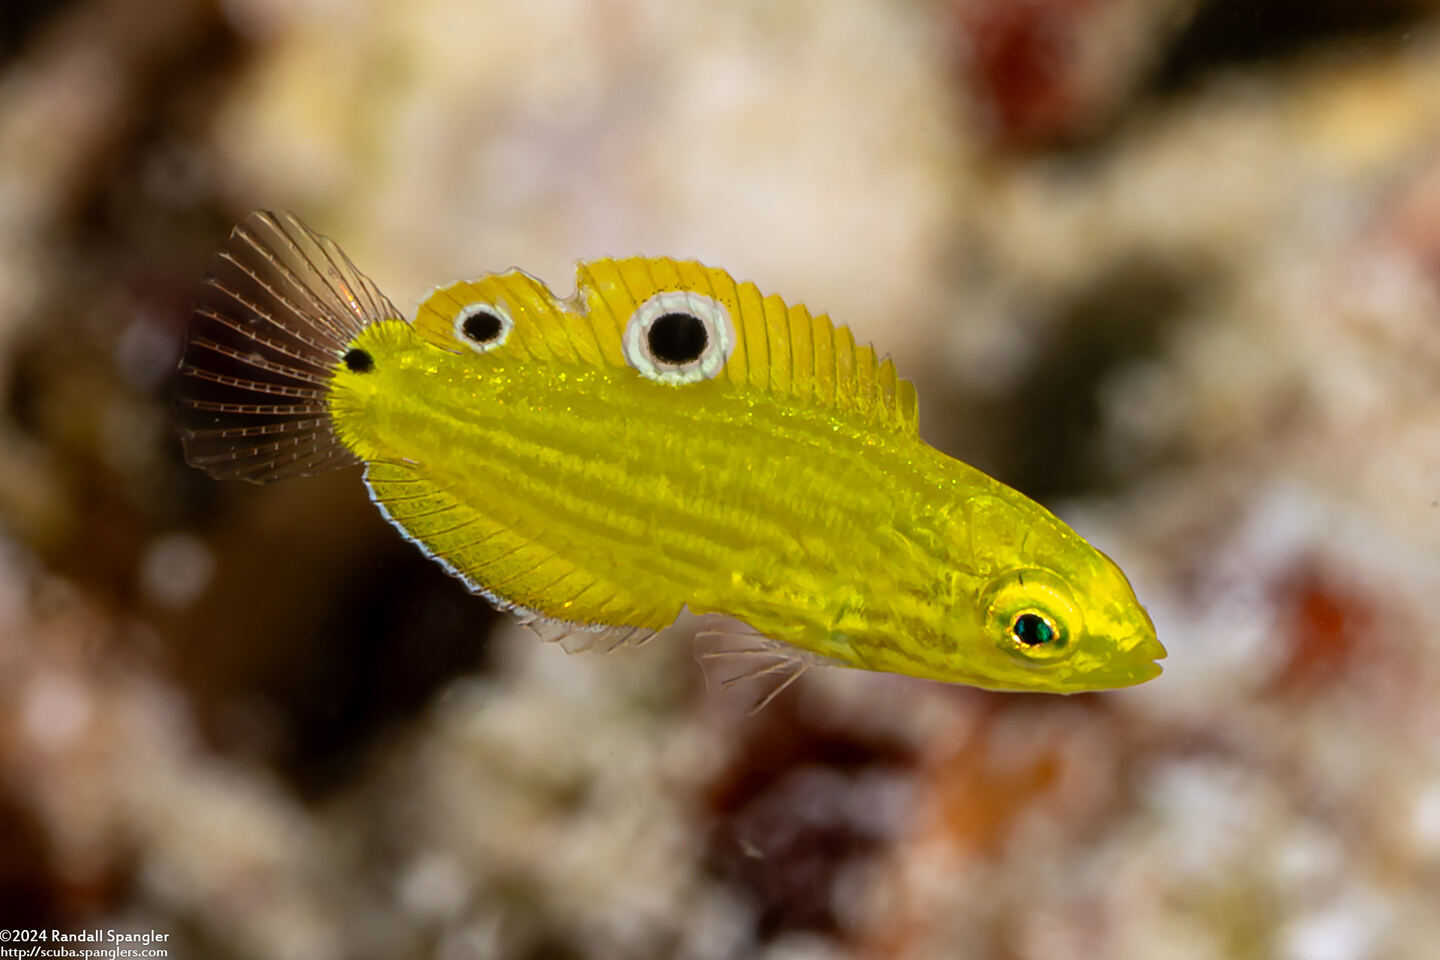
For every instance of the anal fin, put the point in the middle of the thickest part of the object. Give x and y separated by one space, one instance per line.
539 580
581 638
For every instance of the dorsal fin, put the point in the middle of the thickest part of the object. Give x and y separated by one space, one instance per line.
779 348
547 328
278 310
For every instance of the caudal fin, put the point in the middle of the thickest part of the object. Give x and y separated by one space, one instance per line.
279 308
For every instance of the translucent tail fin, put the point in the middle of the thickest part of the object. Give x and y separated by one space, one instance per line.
277 314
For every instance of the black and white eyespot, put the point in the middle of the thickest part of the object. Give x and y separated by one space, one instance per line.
677 337
483 326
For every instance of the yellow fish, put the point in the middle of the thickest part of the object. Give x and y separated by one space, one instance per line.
665 438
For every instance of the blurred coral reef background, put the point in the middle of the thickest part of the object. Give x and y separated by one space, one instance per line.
1171 266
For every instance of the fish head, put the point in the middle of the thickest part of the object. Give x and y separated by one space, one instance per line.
1052 613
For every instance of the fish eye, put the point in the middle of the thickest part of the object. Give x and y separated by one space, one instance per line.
678 337
482 326
1031 614
1033 629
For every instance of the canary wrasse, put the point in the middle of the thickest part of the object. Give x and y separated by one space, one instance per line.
664 438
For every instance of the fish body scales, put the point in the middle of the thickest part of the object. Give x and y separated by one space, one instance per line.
730 499
664 439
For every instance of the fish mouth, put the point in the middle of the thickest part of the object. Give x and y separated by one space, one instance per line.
1137 661
1151 648
1151 651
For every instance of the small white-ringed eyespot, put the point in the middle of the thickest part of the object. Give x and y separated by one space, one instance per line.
483 326
677 337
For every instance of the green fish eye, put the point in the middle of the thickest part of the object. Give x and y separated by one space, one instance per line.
1033 630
